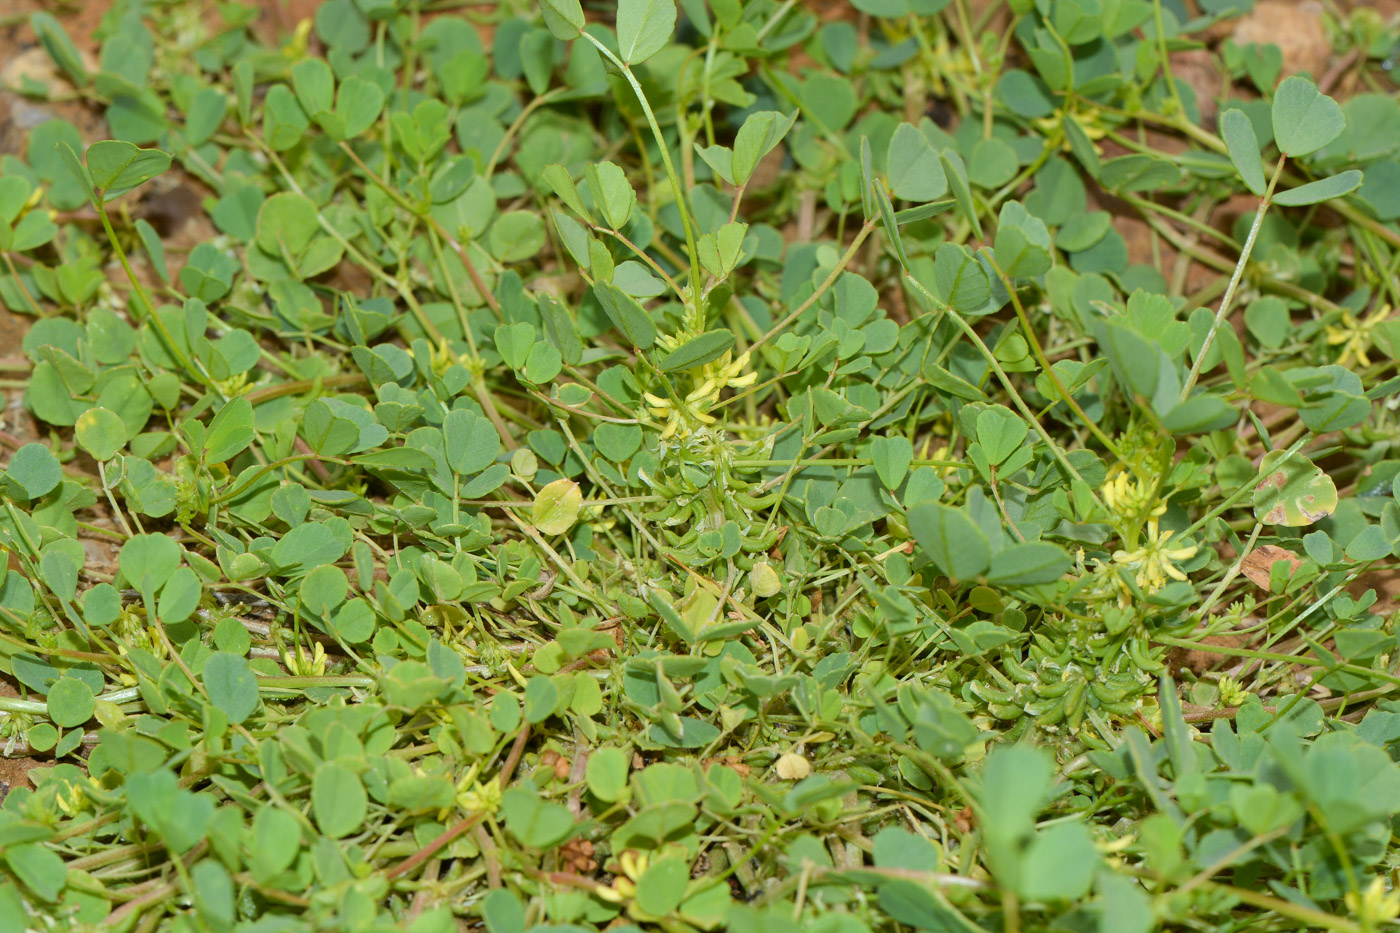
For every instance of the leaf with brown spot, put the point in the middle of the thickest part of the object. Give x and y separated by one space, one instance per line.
1292 491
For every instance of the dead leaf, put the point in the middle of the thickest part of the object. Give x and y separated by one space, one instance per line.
1258 563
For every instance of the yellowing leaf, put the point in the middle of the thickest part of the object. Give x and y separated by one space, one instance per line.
556 507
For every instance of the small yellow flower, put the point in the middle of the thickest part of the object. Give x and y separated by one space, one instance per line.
1153 562
72 802
709 381
631 865
1375 905
1355 337
302 663
233 386
1232 692
1124 495
480 796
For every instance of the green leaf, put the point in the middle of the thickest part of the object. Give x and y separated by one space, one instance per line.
1015 782
472 442
626 314
1026 95
148 561
698 351
563 18
516 236
1080 145
1123 906
323 589
213 895
891 226
1305 119
1292 492
513 342
559 180
77 170
1134 360
537 823
543 363
606 773
338 800
206 115
617 442
760 135
1022 242
913 904
954 543
70 702
1059 864
956 174
662 886
1001 432
1238 133
60 47
231 685
358 104
35 470
284 122
1028 563
556 507
720 159
314 84
1260 808
230 431
57 570
502 912
1200 413
612 192
180 596
309 545
644 28
541 699
915 169
1324 189
38 868
1138 172
892 456
959 279
286 224
116 167
721 251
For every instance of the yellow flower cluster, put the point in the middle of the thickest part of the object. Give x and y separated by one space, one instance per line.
1375 906
303 663
710 380
1232 692
631 865
1153 562
1126 496
480 796
1355 337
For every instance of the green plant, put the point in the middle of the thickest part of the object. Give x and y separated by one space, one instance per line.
641 472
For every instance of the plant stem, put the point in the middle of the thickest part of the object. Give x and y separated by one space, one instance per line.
698 323
829 281
1234 281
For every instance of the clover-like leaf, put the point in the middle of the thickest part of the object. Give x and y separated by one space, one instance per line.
564 18
644 28
116 167
1243 145
556 507
1305 119
1324 189
1292 491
